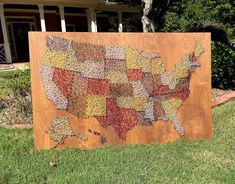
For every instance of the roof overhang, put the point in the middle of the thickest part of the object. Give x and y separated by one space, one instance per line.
97 4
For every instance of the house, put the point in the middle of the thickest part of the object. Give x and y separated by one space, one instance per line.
20 16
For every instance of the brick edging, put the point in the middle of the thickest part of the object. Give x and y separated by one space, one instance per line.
22 126
221 99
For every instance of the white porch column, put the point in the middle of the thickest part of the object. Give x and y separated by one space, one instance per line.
91 19
120 28
88 19
42 19
62 19
5 37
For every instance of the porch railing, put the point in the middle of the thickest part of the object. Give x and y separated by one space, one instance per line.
2 54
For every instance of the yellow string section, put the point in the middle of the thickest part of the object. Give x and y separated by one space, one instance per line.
54 58
131 58
158 67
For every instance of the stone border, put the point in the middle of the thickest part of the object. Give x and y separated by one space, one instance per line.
221 99
13 66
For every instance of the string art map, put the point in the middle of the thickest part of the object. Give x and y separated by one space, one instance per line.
87 94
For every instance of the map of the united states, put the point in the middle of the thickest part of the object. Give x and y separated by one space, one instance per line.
120 86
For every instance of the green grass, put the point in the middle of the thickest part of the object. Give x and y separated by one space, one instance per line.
196 162
9 74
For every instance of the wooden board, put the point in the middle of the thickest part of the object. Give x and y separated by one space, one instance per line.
98 89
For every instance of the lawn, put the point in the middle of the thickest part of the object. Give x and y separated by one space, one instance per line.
210 161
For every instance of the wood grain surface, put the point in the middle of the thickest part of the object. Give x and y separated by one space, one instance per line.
195 113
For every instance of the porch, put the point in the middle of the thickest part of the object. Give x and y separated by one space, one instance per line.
19 17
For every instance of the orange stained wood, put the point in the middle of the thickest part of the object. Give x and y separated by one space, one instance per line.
195 113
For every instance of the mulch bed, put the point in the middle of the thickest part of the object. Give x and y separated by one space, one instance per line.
219 92
221 96
218 97
10 114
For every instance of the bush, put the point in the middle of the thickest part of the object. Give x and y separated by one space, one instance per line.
216 17
223 66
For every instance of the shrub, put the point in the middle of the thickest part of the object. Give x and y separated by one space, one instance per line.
223 66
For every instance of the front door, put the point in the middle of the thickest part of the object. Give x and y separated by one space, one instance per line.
20 31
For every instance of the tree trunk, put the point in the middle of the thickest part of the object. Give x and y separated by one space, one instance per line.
148 25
